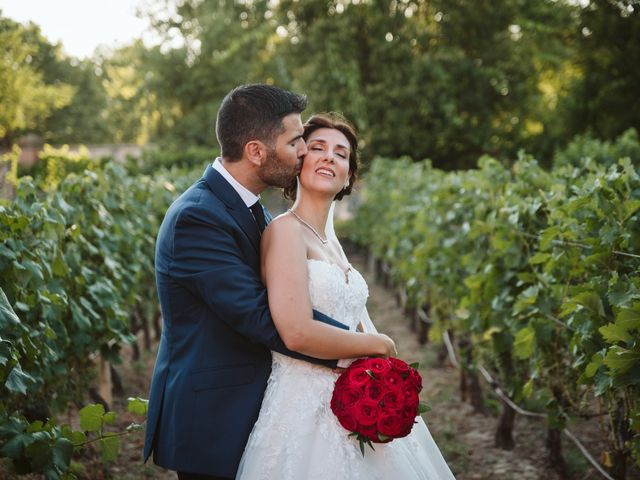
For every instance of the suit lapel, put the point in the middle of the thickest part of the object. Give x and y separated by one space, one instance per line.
235 206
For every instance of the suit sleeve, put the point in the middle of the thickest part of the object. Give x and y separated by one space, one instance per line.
207 262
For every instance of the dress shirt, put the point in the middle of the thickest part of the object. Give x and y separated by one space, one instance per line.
248 197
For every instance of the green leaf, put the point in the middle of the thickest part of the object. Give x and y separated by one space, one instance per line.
527 298
613 333
58 265
35 426
593 366
423 408
630 207
527 389
91 417
61 453
7 253
138 405
78 438
34 268
19 381
14 448
538 258
8 317
629 317
415 365
488 333
591 301
109 418
6 352
109 445
39 452
548 236
524 343
619 360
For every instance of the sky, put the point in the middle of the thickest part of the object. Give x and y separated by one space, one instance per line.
80 25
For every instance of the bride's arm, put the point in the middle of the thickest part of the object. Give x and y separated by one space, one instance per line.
285 272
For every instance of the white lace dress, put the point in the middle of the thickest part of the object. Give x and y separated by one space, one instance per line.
297 436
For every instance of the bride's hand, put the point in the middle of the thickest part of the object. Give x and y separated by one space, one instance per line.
388 346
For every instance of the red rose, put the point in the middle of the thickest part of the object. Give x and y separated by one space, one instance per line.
393 379
369 431
393 399
374 390
409 412
415 379
412 400
399 366
358 376
366 412
408 387
345 398
348 420
360 362
390 425
343 380
378 366
406 430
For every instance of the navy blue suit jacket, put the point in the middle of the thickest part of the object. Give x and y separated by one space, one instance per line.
214 355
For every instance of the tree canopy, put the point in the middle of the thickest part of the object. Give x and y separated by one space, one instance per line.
446 80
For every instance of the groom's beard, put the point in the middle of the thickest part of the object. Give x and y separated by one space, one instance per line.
276 172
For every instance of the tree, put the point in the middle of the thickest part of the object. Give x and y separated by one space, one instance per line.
26 100
605 100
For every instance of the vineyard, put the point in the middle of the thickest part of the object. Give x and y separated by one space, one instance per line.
76 255
529 276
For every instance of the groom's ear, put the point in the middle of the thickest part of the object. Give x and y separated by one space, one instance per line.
256 152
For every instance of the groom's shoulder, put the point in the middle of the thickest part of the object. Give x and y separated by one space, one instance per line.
197 200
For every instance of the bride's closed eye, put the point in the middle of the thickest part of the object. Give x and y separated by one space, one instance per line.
321 149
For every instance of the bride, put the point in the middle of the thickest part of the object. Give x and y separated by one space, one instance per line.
297 435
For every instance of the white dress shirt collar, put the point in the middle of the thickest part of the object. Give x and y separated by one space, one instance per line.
248 197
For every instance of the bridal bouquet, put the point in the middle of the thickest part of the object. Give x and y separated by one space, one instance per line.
376 399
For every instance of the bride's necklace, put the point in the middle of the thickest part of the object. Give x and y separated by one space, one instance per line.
323 240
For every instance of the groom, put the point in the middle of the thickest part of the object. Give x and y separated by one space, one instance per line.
214 356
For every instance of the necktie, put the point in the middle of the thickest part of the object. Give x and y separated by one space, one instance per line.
258 214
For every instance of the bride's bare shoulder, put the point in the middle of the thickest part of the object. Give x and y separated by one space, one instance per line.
285 228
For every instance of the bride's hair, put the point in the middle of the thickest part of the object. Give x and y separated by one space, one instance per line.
338 122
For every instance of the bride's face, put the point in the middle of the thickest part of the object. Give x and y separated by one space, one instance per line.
326 165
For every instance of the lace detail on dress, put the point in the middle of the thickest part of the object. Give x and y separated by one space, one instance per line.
297 436
341 297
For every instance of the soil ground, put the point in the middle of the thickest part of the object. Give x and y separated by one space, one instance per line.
465 438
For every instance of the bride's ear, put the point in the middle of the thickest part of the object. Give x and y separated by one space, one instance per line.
256 152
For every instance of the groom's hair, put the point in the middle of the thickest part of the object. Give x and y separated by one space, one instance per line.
254 112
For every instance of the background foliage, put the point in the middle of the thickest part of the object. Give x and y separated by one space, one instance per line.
448 81
536 271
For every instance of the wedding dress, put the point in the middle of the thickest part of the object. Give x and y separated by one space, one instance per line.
297 436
